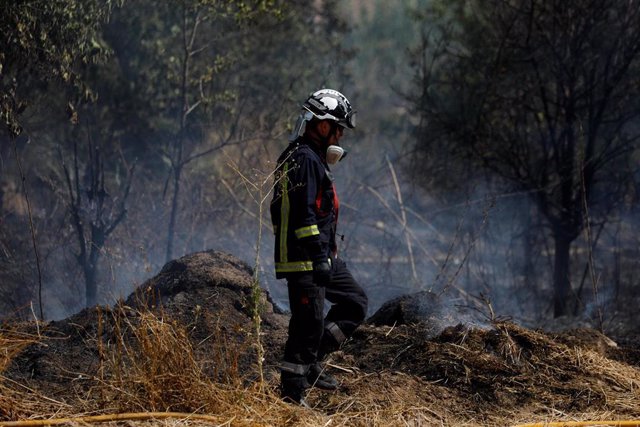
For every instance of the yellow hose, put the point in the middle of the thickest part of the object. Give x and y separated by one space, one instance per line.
132 416
113 417
627 423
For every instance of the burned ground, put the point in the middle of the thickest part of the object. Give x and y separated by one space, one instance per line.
190 329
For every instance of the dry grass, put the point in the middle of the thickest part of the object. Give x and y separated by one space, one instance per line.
147 363
153 367
12 342
18 400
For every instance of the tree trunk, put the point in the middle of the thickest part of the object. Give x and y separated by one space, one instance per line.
90 285
173 214
561 274
98 238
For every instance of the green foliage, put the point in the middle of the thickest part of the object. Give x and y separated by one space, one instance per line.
381 38
239 61
43 41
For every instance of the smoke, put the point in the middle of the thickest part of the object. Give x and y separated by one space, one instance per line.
487 257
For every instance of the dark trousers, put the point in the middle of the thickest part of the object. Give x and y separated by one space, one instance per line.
311 334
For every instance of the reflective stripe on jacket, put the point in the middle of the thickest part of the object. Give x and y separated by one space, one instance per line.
304 209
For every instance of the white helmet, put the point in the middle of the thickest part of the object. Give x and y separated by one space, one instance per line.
329 104
325 104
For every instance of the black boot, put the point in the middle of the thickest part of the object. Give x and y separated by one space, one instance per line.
293 388
318 377
332 338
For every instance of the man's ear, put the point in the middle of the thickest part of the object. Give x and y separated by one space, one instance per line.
324 128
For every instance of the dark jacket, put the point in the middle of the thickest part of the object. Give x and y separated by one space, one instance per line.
304 209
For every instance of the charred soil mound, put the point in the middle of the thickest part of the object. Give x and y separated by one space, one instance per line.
205 298
506 369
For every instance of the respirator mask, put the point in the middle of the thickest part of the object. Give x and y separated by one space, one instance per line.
335 153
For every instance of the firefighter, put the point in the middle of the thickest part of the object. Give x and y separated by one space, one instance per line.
304 212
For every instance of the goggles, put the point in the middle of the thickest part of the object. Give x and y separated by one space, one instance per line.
349 121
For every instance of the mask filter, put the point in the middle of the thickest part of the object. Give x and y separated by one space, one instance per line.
334 154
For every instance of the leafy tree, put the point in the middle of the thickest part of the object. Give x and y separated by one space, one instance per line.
542 93
382 34
43 41
203 75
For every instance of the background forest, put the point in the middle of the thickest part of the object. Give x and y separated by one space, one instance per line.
495 161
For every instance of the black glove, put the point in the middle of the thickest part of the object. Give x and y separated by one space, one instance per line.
321 272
